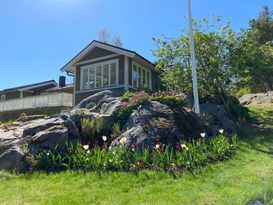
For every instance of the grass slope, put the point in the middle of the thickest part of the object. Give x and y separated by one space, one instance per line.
247 176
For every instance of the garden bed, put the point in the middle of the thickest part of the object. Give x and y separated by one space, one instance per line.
185 156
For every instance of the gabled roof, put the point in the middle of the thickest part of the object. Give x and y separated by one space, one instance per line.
30 86
69 67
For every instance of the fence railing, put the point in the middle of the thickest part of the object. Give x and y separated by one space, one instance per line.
39 101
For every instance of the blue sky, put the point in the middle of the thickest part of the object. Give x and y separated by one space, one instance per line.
38 37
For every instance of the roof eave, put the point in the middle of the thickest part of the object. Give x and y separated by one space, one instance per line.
70 66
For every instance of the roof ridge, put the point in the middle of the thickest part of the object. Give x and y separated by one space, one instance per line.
29 85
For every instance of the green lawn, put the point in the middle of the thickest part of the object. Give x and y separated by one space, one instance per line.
247 176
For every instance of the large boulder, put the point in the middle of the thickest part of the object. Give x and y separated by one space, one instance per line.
157 121
94 99
13 159
218 118
256 99
31 137
105 109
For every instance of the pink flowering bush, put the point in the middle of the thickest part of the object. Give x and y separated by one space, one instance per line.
130 102
137 98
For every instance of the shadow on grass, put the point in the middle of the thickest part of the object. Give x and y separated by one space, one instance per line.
258 133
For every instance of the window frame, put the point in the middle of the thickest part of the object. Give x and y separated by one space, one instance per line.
95 65
138 66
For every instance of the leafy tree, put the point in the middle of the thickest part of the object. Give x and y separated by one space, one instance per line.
255 54
215 48
262 27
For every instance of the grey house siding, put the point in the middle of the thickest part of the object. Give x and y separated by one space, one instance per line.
130 71
155 81
97 53
78 78
121 70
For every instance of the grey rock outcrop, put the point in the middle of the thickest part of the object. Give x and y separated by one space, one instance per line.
258 98
13 159
31 137
157 121
94 99
218 118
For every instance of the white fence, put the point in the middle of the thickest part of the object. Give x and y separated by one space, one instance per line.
39 101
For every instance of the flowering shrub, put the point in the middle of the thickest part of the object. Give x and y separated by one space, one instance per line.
185 156
138 98
130 102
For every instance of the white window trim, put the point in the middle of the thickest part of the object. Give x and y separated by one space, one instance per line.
141 79
87 67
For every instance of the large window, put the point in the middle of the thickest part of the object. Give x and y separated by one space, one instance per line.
99 75
141 77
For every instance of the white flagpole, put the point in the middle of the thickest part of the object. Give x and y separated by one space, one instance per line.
193 63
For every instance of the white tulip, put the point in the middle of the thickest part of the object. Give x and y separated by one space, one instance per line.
104 138
221 131
183 146
86 147
203 134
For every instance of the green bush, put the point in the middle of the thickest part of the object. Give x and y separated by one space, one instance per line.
124 113
126 96
242 91
116 130
169 100
92 129
185 156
